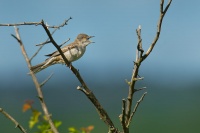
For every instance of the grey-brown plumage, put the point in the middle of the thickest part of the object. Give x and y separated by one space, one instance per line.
72 52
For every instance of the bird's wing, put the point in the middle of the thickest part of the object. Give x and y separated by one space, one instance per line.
64 49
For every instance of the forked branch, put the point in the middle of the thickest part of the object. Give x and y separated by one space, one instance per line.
139 59
159 26
135 109
37 85
84 88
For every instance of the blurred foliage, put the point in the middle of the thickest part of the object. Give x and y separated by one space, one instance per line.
83 130
42 123
34 118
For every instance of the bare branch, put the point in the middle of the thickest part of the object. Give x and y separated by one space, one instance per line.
35 53
161 5
47 41
162 14
135 109
23 23
37 23
122 116
54 43
43 83
166 8
103 114
17 125
140 89
61 25
64 42
139 46
80 88
141 57
37 85
41 45
136 79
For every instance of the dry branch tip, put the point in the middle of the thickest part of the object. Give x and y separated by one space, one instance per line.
17 125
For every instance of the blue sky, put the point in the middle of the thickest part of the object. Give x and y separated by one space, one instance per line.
174 63
113 24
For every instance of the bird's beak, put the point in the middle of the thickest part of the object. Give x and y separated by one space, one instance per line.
91 36
90 40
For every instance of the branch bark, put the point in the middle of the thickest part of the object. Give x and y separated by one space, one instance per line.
37 85
17 125
135 109
122 116
37 23
139 59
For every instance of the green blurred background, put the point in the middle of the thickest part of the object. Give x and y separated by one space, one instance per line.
171 72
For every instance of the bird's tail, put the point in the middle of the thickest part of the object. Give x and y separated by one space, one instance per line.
48 62
39 67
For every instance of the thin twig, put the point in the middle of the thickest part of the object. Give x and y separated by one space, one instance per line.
37 85
23 23
135 109
37 23
36 53
44 82
159 25
43 43
64 42
122 116
136 79
139 46
61 25
17 125
140 89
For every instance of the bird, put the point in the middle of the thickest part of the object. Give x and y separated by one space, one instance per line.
72 52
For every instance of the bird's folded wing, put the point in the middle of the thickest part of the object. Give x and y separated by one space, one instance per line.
64 49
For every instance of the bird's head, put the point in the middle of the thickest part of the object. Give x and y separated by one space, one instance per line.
84 39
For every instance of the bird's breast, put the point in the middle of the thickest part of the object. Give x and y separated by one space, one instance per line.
74 53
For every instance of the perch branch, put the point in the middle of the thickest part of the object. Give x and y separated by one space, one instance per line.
17 125
38 87
84 88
